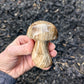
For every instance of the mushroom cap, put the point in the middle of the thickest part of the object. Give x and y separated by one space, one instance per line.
42 30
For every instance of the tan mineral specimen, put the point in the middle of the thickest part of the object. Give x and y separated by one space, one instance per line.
42 32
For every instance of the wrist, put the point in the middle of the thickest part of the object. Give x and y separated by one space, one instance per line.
13 74
5 78
10 73
4 67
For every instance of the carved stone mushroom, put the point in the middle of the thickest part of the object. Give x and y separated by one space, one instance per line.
42 32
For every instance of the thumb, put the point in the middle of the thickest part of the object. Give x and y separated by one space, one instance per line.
24 49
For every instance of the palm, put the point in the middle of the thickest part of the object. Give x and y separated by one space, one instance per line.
24 63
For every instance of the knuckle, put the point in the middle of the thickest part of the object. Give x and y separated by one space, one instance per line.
21 36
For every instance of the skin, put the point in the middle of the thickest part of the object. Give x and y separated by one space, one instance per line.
16 58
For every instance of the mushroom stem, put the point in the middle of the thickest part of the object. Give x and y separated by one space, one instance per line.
40 55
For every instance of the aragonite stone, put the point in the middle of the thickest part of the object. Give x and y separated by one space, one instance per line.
42 32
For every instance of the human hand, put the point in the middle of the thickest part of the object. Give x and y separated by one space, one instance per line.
16 58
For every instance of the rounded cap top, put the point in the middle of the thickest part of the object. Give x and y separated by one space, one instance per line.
42 30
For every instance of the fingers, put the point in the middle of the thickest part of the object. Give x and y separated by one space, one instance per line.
24 49
22 45
22 39
53 53
51 46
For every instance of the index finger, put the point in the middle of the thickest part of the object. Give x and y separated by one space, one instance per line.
22 39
